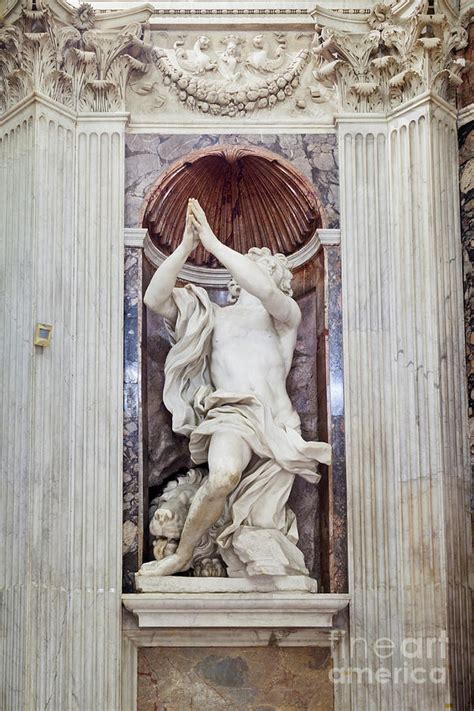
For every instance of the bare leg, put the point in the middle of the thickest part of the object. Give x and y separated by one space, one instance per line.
228 457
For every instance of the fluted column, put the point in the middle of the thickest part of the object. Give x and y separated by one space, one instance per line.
61 217
434 478
97 408
62 252
38 264
373 501
406 413
395 75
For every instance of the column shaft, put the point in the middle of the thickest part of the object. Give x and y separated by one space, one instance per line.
62 247
97 411
405 407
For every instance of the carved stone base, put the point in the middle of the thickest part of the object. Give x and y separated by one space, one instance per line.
260 584
231 610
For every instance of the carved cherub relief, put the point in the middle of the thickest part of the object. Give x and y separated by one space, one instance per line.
231 82
231 58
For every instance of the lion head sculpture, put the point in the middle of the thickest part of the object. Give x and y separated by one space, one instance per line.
168 513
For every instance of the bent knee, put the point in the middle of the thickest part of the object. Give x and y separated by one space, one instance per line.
223 480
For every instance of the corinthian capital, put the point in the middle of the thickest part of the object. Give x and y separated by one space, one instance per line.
384 60
72 59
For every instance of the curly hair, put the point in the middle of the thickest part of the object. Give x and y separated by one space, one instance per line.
270 262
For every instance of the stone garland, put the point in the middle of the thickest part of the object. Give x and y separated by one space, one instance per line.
225 100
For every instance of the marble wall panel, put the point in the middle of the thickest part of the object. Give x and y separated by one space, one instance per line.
466 186
235 679
133 491
338 569
466 183
330 404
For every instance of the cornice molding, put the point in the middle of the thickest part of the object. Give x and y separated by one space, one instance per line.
466 115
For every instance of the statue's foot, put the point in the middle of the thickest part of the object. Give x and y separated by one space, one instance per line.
167 566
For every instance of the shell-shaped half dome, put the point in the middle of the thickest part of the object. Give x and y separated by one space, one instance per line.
251 197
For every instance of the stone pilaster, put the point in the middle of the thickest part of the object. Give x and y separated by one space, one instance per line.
62 509
62 159
98 408
405 402
37 161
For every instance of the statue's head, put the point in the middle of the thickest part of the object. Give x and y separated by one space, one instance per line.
276 265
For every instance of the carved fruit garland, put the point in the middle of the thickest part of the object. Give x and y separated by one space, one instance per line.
225 99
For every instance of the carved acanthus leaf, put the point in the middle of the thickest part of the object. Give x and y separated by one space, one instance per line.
393 62
74 64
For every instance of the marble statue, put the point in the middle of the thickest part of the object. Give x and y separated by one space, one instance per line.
225 385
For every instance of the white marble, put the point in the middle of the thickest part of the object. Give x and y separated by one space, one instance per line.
218 276
257 583
61 434
225 386
405 399
229 610
135 236
61 220
179 620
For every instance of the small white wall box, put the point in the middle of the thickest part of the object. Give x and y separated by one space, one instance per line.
43 332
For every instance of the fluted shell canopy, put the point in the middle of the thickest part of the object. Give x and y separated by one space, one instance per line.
252 198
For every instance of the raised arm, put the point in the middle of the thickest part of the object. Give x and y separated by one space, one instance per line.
247 273
158 295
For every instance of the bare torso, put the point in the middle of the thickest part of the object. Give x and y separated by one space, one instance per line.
252 354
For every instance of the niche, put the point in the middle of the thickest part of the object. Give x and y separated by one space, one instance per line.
252 198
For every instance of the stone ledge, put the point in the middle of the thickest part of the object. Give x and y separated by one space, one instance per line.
220 637
236 610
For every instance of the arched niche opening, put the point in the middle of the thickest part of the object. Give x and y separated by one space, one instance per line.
253 197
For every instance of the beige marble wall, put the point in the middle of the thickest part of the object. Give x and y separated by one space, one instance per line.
235 679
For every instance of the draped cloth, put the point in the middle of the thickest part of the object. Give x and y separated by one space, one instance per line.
260 533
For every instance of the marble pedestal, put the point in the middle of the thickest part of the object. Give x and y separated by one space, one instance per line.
262 584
